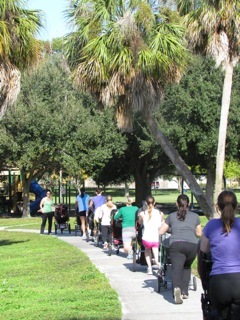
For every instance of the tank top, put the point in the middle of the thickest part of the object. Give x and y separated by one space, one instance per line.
47 206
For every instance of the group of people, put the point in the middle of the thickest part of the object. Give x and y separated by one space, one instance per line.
220 236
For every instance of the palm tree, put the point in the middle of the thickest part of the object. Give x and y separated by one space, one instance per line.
18 47
213 29
125 52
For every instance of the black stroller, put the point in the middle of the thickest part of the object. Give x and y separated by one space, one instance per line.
209 312
116 229
138 248
204 269
164 272
90 224
62 220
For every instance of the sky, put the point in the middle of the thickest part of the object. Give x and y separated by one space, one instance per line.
54 21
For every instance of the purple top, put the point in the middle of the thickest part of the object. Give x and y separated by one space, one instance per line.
98 201
224 248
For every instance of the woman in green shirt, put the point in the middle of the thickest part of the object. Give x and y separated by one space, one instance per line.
46 207
128 216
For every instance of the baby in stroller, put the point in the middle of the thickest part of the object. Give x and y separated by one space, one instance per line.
61 218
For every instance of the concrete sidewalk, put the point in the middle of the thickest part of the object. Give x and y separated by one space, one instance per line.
137 290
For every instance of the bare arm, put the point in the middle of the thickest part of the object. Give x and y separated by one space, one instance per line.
205 244
41 204
163 229
198 230
140 218
162 216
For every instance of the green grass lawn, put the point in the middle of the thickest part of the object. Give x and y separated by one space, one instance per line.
44 278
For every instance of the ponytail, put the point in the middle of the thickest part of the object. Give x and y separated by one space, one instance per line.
183 204
227 203
150 203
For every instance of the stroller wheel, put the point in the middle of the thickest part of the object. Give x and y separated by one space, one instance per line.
159 283
194 283
165 284
109 249
134 261
87 236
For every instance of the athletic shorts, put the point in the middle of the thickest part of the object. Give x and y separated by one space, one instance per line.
128 234
82 213
150 245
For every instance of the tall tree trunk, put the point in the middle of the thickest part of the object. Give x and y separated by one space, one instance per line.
25 184
226 97
210 182
142 187
179 164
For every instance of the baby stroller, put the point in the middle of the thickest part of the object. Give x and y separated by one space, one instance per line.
164 272
116 229
90 224
204 269
62 218
138 248
209 312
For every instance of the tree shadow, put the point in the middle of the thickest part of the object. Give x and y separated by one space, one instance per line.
9 242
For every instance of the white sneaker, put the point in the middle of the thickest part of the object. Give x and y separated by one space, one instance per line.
177 296
149 271
105 246
84 237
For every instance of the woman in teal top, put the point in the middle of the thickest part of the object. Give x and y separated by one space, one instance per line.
46 207
128 216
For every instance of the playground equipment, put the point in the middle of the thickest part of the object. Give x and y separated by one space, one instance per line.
39 193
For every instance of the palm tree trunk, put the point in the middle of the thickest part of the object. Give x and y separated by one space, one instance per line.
210 182
226 96
180 165
9 86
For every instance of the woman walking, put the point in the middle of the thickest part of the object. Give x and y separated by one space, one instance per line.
185 229
128 216
152 220
105 214
222 237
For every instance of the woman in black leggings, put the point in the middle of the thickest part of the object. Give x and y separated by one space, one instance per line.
222 237
185 228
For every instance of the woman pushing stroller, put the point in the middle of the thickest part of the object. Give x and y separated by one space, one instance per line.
185 229
222 237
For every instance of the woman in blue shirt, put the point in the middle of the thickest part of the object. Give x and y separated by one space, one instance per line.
82 204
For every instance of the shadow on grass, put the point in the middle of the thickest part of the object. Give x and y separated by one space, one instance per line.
8 242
